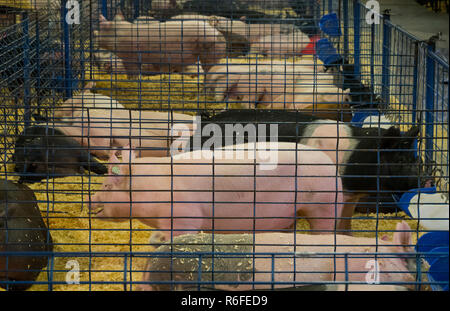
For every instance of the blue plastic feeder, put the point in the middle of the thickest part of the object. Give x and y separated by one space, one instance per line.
326 52
329 24
431 240
405 199
438 271
435 246
360 116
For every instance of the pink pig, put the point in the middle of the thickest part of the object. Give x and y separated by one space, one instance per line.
99 130
367 263
186 193
161 47
281 45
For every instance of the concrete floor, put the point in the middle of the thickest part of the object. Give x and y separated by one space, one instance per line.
419 21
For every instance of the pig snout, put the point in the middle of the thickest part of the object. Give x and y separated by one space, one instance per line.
95 203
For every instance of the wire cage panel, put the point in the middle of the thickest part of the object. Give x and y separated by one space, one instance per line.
220 145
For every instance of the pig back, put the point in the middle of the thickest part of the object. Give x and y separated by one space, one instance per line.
101 129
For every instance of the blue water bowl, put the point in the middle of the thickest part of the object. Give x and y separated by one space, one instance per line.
329 24
438 271
432 240
360 116
405 199
435 254
326 52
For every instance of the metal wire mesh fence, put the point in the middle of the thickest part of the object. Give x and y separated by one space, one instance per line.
228 145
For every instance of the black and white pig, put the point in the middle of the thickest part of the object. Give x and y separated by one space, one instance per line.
370 160
42 152
22 229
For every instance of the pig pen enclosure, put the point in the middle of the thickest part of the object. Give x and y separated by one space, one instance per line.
116 120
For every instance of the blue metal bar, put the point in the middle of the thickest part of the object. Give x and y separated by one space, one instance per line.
429 106
51 268
38 62
26 70
68 78
386 61
345 13
372 56
199 271
104 8
357 37
415 77
136 8
125 259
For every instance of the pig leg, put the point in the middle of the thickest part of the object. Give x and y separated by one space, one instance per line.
350 202
324 218
321 218
210 57
175 224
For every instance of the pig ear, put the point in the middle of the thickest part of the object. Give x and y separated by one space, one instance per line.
113 169
385 237
402 236
113 156
104 23
102 19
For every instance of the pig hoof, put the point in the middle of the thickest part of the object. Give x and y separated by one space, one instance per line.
157 239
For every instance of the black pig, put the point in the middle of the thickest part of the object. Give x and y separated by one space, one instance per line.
22 229
397 170
43 152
